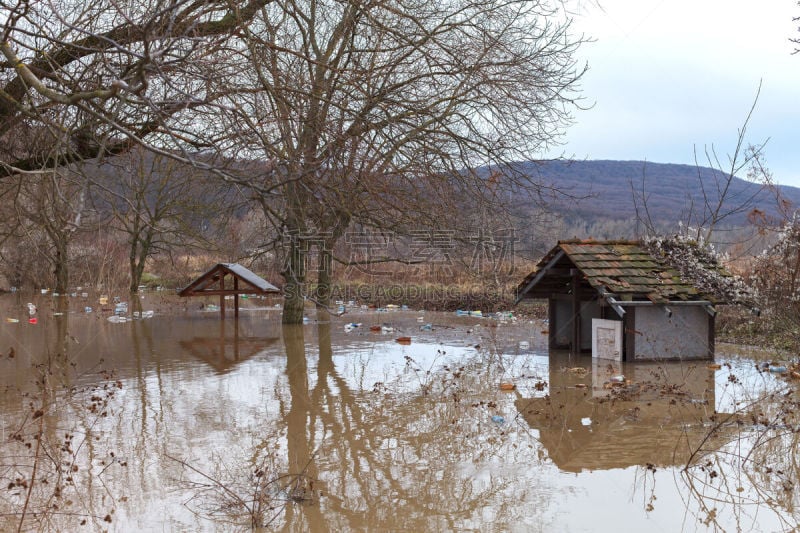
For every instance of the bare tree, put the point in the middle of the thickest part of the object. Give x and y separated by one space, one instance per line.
721 201
376 111
50 209
160 204
99 76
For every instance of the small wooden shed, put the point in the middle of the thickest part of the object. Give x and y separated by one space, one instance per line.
243 281
617 300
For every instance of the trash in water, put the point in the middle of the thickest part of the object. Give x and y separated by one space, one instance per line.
351 326
305 320
31 309
386 329
376 329
87 309
476 313
33 320
426 327
84 295
460 312
420 319
524 345
586 421
506 386
45 291
497 419
713 366
12 320
404 307
617 379
103 300
777 369
403 340
116 319
121 308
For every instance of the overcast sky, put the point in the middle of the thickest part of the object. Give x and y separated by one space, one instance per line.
666 76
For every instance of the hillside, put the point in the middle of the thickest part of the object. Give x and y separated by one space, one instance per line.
606 189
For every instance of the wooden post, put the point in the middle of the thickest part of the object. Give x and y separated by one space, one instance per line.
236 297
222 295
576 311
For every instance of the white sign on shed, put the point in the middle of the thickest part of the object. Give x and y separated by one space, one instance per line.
607 339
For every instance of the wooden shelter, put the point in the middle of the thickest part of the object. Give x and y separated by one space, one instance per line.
619 301
243 281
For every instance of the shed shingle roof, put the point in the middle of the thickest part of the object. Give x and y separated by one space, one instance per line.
624 269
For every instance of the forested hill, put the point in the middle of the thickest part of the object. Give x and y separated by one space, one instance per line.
607 189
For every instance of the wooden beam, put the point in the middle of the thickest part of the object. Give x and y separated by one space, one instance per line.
576 311
235 298
222 296
539 276
215 292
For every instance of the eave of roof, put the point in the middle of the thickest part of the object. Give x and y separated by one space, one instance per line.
622 269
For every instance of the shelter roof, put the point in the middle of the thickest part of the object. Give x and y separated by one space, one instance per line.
625 270
206 283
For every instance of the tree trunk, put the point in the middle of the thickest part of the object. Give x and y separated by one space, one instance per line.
61 271
293 297
324 285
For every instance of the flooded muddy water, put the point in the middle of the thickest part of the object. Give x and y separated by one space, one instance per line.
185 422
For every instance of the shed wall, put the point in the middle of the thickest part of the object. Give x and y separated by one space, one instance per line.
561 322
684 335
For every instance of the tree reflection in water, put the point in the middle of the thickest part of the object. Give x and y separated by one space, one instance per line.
319 430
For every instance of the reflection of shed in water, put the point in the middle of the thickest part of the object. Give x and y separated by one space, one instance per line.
223 352
635 305
657 416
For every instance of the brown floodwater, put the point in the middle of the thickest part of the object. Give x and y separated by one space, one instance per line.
185 422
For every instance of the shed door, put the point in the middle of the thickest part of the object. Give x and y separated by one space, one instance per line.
607 339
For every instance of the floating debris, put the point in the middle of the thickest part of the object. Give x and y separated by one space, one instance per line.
506 386
577 370
403 340
497 419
